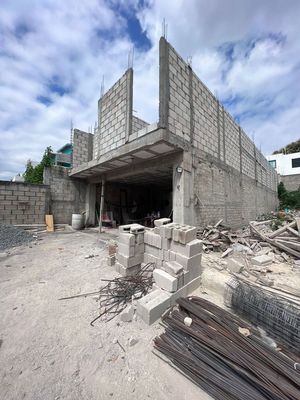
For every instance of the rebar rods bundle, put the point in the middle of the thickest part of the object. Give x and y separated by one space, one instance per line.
226 356
118 292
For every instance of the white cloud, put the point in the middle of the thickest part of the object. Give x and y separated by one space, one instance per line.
247 52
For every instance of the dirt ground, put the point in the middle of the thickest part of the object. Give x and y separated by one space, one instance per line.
49 351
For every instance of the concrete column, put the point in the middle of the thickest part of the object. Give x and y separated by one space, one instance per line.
164 83
90 203
129 95
183 190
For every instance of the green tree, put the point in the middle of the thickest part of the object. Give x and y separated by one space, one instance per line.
35 174
293 147
288 199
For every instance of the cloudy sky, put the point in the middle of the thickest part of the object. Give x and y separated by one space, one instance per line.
54 53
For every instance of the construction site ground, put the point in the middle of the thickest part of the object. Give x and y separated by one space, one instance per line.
49 351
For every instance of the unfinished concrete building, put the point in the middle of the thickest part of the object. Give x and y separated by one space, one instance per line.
196 163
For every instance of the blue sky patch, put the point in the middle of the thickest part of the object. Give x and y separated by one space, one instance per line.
44 100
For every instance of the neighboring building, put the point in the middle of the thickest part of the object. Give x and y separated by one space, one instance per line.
195 163
18 178
288 167
63 156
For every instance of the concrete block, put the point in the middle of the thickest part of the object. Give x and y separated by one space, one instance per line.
126 250
129 271
136 228
185 290
152 250
188 250
173 268
128 262
165 280
124 228
152 306
234 265
166 243
149 258
127 238
152 239
166 255
172 255
161 221
139 248
139 238
188 262
111 260
166 231
262 260
187 234
156 230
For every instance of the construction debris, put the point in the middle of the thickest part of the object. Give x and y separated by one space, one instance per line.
257 239
119 292
224 355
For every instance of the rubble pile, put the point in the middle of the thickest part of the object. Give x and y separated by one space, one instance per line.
258 238
11 236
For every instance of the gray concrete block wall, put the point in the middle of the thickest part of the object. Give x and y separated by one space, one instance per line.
82 147
67 196
222 192
240 183
137 124
291 182
179 96
23 203
115 116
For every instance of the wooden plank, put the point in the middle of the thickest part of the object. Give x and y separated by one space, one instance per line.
49 223
282 229
293 231
274 243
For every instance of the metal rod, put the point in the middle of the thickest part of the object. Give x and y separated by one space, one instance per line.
101 205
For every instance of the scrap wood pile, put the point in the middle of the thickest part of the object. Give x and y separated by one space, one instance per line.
283 241
224 355
118 292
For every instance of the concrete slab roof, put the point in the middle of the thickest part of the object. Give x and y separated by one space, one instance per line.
155 149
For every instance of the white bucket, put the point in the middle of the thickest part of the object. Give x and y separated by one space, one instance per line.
77 221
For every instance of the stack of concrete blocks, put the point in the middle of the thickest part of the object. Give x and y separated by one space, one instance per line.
176 253
130 253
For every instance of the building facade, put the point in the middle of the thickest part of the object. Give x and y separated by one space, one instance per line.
288 168
195 164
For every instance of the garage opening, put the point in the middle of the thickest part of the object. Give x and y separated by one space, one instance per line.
140 198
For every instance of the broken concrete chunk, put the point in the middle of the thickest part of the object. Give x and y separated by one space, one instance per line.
127 315
240 248
262 260
133 341
234 265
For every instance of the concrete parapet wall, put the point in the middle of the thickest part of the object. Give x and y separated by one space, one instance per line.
23 203
82 148
114 116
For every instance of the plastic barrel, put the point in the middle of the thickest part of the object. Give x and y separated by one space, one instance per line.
77 221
